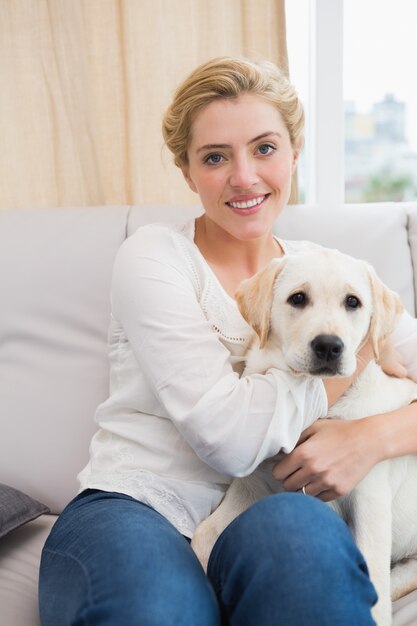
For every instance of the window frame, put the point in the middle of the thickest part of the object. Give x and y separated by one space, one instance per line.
326 133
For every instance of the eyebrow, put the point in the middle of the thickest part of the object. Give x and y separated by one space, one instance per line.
223 146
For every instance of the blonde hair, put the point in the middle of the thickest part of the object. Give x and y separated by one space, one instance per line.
228 77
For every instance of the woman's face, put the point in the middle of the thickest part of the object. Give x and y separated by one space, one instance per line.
241 164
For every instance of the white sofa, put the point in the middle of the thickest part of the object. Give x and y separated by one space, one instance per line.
55 270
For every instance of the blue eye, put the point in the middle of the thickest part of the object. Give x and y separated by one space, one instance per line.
266 148
213 159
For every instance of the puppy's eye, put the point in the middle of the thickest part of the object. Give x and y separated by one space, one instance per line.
298 299
352 302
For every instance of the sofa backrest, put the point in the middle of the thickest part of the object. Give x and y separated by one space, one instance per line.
55 270
55 274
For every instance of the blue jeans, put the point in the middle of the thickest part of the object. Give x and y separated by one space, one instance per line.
288 560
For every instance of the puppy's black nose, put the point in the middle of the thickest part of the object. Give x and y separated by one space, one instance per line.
327 348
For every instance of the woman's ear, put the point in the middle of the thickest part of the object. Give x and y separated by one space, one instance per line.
296 154
254 299
185 169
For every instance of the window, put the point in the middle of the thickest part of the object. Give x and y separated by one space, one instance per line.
380 93
298 45
352 63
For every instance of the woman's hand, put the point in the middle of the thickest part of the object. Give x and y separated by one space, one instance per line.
330 459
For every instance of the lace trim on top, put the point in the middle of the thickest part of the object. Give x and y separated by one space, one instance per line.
147 487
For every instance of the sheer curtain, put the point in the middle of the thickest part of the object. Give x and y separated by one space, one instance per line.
84 84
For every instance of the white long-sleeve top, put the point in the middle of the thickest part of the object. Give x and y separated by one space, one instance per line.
180 422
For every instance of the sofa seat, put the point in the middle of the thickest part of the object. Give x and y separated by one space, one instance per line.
19 572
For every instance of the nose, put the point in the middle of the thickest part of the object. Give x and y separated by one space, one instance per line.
327 348
243 174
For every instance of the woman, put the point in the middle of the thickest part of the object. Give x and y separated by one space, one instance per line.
180 423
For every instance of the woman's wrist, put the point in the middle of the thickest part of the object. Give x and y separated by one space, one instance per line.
336 387
377 429
395 433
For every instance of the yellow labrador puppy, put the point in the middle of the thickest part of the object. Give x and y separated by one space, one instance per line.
310 313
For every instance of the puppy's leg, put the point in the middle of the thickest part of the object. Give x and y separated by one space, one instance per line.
240 495
372 529
403 578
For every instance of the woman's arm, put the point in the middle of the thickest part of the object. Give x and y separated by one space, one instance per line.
395 433
232 423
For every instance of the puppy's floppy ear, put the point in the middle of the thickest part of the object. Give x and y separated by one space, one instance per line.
386 309
254 298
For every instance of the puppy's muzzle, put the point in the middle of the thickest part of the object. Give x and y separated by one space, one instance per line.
327 352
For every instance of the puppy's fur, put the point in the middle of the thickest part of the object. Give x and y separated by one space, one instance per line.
310 313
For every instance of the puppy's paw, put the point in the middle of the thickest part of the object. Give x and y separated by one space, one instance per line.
403 578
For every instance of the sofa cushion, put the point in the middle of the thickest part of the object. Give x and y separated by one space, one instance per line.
20 554
55 274
17 508
405 610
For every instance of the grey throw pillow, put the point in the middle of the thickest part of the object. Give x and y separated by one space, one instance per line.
17 508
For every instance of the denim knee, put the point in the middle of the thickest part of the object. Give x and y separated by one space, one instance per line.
285 552
288 526
175 593
113 561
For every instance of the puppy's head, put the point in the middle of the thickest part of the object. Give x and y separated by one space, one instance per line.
316 308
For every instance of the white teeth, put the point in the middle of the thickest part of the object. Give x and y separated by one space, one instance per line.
248 204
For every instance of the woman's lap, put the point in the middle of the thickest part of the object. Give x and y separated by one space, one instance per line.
111 560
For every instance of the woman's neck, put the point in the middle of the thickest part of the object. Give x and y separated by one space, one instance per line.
231 259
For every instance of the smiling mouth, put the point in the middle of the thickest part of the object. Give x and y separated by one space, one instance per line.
248 204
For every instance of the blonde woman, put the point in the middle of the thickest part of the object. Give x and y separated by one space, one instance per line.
180 422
